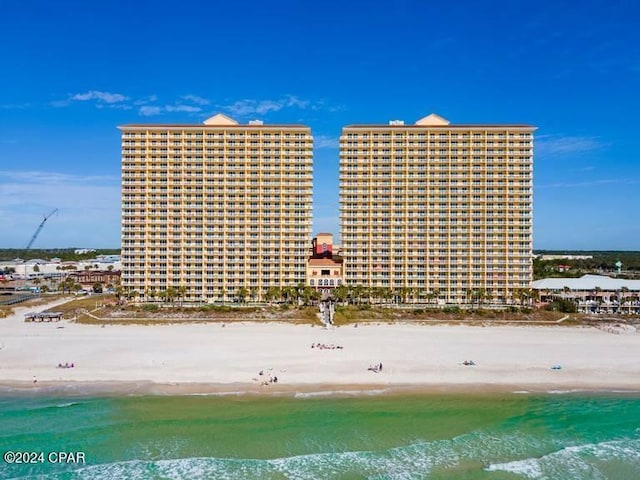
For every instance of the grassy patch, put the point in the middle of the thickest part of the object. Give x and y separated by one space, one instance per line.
73 307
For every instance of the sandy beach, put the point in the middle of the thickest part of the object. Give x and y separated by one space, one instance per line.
201 358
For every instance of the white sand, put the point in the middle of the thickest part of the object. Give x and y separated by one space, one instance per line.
420 356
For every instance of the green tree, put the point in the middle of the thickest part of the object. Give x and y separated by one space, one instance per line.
182 291
36 268
97 287
340 293
66 285
289 294
404 293
241 294
563 305
272 294
358 292
172 294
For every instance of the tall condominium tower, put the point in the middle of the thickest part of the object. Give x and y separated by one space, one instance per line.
443 210
214 210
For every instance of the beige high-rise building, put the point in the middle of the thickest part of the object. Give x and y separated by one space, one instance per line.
442 209
210 209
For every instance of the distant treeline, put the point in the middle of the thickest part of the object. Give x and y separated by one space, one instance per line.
602 262
65 254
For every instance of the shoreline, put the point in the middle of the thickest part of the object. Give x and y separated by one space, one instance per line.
144 388
218 359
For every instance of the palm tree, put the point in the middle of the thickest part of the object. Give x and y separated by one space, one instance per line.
357 293
387 294
521 295
315 294
623 295
341 293
487 295
436 293
182 291
478 295
535 295
66 284
430 296
171 294
308 294
273 293
241 294
598 297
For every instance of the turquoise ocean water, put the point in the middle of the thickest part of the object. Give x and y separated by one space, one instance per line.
498 436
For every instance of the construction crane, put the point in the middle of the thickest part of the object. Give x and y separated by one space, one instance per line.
35 235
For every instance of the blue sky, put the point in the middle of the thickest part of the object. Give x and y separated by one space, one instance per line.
74 70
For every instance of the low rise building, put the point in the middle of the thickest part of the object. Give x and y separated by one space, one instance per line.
324 270
91 277
592 293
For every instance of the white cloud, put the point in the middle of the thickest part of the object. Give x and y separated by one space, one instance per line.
325 141
146 100
190 103
152 110
14 106
559 145
248 107
100 100
53 178
105 97
149 111
196 99
182 108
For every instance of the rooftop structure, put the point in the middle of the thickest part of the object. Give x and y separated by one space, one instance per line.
587 283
